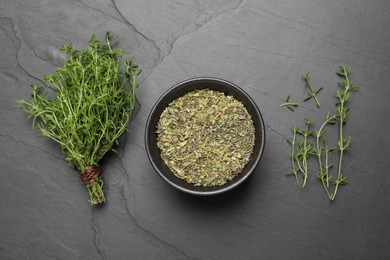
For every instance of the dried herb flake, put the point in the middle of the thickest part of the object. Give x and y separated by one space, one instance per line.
206 137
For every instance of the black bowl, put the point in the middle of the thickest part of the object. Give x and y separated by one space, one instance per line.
179 90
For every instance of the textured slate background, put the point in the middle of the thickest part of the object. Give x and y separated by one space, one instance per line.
263 46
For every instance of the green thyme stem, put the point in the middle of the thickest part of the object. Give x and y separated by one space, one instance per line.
340 156
317 102
335 192
294 169
326 189
304 159
325 175
95 191
340 160
319 147
312 93
342 115
296 178
292 150
299 166
326 164
289 105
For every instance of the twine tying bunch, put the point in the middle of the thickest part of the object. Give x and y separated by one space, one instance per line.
90 174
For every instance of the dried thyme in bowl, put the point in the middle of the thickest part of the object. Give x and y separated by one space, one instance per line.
206 137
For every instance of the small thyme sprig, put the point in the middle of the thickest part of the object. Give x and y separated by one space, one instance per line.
319 149
312 93
288 104
323 175
307 147
305 150
294 170
327 166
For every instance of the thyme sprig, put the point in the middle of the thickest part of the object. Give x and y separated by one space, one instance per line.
293 156
343 112
305 149
288 104
299 157
343 143
312 93
321 134
94 99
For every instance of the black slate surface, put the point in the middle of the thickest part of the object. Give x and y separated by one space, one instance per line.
263 46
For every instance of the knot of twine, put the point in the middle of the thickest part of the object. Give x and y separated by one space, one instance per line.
90 174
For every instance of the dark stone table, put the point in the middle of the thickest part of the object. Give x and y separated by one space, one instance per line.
263 46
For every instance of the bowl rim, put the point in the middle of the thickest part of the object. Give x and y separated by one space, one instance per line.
223 188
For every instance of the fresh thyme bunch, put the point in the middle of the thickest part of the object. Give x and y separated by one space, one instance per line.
94 99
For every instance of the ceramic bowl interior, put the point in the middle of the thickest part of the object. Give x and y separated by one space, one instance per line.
179 90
